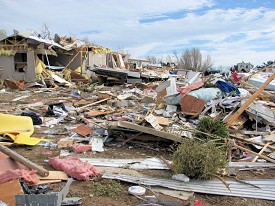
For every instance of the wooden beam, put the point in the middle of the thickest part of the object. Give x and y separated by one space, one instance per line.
235 116
255 153
252 142
26 162
92 104
261 152
72 59
151 131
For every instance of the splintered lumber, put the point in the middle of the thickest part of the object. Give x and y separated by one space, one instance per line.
95 113
149 131
92 104
235 116
72 59
29 164
251 141
255 153
261 152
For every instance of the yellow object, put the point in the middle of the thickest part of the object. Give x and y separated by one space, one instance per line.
67 74
19 129
39 68
78 70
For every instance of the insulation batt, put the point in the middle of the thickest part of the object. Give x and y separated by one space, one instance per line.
29 176
74 167
79 148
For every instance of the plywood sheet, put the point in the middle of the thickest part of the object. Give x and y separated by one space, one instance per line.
8 190
192 105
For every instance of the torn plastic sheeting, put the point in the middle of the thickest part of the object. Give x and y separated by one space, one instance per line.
206 94
18 128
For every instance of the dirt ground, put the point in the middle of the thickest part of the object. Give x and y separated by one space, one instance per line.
109 192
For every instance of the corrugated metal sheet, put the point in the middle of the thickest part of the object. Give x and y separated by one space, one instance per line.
265 190
138 164
255 165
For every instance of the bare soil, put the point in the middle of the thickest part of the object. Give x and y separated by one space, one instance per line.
138 149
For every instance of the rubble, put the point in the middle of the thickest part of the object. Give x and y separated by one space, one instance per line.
88 99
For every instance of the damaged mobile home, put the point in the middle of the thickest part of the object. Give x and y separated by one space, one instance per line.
102 116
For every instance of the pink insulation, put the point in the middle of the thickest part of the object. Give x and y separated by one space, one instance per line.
74 167
29 176
79 148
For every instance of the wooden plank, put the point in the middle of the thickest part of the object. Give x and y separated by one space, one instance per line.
238 124
92 104
255 153
160 97
261 152
249 101
162 120
251 141
95 113
24 161
8 190
149 131
83 130
192 105
55 175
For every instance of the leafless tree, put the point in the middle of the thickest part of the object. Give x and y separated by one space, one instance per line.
86 40
45 32
153 59
169 59
192 60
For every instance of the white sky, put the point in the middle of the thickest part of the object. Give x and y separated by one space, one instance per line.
230 31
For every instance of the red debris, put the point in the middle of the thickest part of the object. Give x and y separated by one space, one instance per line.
74 167
29 176
79 148
83 130
191 87
198 203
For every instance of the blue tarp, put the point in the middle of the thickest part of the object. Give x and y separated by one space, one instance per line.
227 87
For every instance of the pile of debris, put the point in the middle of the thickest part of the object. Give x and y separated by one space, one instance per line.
231 118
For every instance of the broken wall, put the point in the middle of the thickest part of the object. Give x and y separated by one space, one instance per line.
97 59
65 59
17 69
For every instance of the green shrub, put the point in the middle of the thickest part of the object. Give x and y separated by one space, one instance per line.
198 160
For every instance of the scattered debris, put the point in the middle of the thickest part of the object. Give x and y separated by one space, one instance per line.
80 97
74 167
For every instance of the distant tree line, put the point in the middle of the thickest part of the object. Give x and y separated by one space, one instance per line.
190 59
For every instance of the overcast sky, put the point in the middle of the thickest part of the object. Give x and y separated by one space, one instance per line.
230 31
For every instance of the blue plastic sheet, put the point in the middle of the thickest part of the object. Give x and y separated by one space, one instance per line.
227 87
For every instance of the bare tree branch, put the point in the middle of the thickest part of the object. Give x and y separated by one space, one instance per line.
192 60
